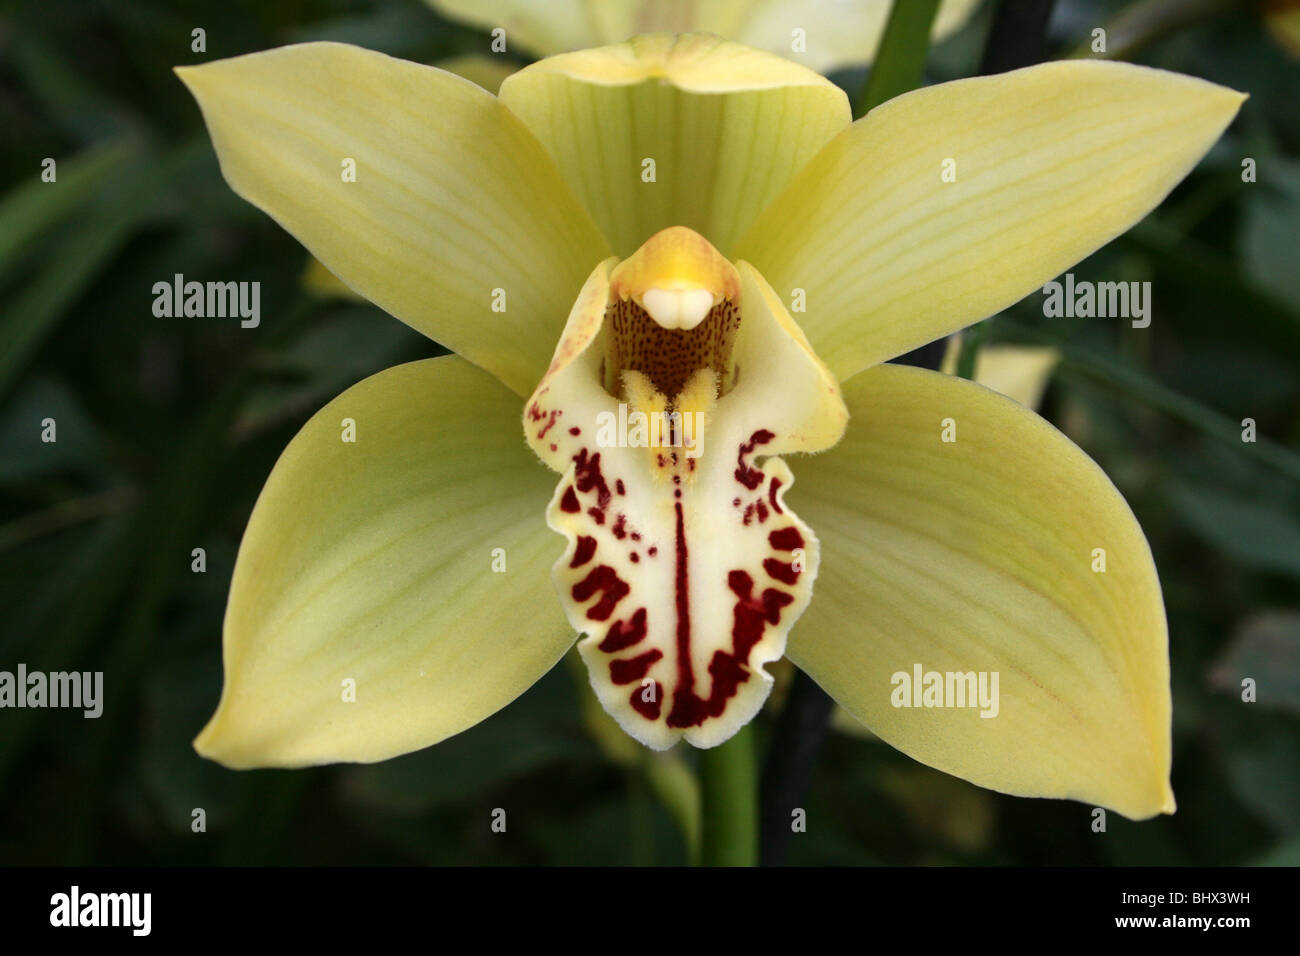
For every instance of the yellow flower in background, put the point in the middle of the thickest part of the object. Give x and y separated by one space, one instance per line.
728 248
823 35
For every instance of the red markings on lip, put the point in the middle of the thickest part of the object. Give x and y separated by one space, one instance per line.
575 431
569 502
618 486
623 634
747 474
649 709
550 420
780 571
605 580
633 669
771 495
730 670
786 539
620 527
584 551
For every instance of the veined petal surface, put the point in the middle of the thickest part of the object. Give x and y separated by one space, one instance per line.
949 203
1006 552
452 198
371 612
670 130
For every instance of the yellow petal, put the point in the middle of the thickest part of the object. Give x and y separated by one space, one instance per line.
411 562
676 131
833 33
1048 164
1017 371
684 567
452 200
979 555
485 71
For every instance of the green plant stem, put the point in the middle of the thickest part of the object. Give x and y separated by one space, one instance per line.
729 790
901 58
970 350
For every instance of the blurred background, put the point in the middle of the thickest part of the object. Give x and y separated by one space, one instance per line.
167 428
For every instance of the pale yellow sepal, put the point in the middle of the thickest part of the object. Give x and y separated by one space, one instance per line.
676 131
821 34
1005 551
391 588
947 204
417 188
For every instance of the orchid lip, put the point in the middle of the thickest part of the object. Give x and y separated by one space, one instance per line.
685 567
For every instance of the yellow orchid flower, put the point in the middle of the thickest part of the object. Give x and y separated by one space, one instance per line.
823 35
670 195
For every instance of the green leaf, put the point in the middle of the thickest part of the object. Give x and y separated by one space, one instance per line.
902 53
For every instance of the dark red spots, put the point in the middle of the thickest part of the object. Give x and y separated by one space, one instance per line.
730 670
597 515
588 477
535 412
569 502
634 557
550 422
762 511
575 431
623 634
649 709
652 552
746 474
555 447
677 493
583 552
747 629
735 502
787 539
781 571
635 536
618 486
626 672
771 495
620 527
749 514
606 580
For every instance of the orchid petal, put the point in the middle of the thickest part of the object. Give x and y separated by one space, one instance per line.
950 203
392 590
457 222
834 33
676 131
1007 552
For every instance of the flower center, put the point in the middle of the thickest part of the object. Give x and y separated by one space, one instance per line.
674 310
